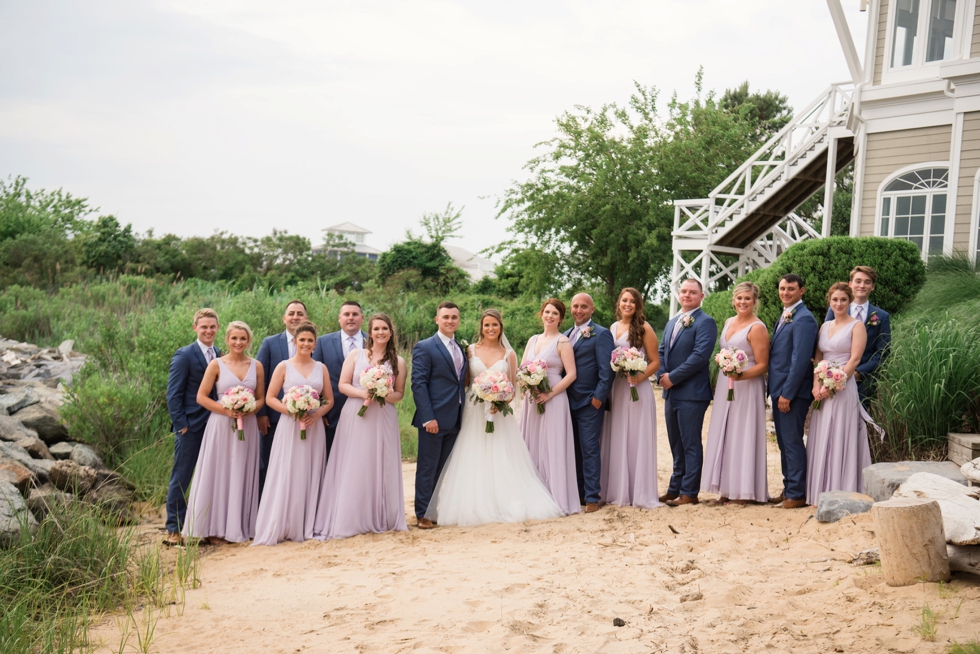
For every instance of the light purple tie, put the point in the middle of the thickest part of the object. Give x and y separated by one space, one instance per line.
457 357
350 345
575 334
210 354
859 312
677 330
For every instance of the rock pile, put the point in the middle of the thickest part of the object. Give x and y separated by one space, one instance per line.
39 465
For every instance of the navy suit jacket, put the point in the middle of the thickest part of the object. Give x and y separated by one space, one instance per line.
438 393
187 369
273 351
791 356
688 359
879 339
594 375
329 351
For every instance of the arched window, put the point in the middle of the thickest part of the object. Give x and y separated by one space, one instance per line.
913 207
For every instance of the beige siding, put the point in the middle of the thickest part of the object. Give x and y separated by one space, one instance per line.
888 152
975 45
969 164
880 42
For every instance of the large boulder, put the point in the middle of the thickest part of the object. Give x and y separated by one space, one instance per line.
834 505
61 451
35 447
40 467
16 474
73 478
42 500
44 419
13 514
16 399
881 480
114 499
12 430
84 455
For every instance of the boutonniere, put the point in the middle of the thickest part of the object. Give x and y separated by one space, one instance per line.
787 316
686 321
873 319
586 332
463 343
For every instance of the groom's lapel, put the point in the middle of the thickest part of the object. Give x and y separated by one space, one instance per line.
445 353
580 337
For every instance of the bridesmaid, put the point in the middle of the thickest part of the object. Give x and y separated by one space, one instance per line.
629 432
735 456
292 483
549 435
837 449
362 489
224 495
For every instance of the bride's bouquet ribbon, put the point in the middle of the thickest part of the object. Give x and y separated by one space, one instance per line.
378 381
732 363
299 401
532 377
495 390
627 361
242 399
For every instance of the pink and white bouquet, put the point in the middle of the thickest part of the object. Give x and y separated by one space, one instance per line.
532 377
495 390
831 376
731 362
378 381
300 400
242 399
627 361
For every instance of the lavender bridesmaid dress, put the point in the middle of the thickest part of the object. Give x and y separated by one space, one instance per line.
292 483
735 455
837 450
224 496
362 490
628 473
548 435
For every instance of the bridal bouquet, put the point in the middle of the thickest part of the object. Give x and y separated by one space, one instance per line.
242 399
495 390
378 381
831 376
532 377
627 361
731 362
299 400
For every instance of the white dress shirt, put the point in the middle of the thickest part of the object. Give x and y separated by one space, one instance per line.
290 345
205 349
865 310
358 342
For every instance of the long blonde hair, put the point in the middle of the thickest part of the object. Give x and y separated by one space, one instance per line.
493 313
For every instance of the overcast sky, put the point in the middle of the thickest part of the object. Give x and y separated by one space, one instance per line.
189 116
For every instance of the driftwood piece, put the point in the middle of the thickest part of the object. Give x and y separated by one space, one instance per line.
911 541
958 503
964 558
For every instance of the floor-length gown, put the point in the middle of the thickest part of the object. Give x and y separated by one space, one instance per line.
549 436
628 471
224 495
489 477
735 455
362 488
837 450
292 483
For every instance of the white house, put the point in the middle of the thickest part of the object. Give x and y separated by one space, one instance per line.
355 235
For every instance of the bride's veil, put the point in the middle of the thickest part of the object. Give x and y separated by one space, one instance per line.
506 343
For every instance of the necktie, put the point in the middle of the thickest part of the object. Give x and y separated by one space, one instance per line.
457 357
350 345
210 354
292 348
575 334
859 312
677 330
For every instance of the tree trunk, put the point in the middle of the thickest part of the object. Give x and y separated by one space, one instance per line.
911 541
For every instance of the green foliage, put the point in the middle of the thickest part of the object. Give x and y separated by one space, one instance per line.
526 272
769 111
840 222
432 266
970 647
40 212
439 227
109 245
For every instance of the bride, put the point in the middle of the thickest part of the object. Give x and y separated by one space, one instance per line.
490 477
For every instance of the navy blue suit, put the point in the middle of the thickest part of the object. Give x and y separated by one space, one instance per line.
273 351
687 362
594 380
879 325
439 395
791 376
187 369
329 351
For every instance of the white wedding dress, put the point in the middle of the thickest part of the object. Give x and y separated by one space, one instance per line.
489 477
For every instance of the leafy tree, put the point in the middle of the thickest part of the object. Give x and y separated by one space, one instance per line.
769 111
434 267
23 211
440 227
529 272
108 245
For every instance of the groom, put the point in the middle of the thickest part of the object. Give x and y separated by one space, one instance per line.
439 387
592 346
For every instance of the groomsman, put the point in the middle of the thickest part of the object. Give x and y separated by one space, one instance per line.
878 324
274 350
794 340
187 417
439 387
592 346
331 350
685 355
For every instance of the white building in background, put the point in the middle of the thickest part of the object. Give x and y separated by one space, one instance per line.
355 235
474 265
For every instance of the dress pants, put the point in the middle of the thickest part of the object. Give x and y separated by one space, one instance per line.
187 446
685 421
587 432
792 452
434 450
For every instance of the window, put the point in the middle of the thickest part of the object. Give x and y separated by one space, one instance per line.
913 207
906 26
922 32
941 20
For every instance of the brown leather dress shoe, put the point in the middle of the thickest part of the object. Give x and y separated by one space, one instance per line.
666 497
591 507
776 500
425 523
791 504
173 539
682 500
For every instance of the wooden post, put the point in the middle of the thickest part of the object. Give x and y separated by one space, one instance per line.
911 541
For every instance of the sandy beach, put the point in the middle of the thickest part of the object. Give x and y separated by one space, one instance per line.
690 579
